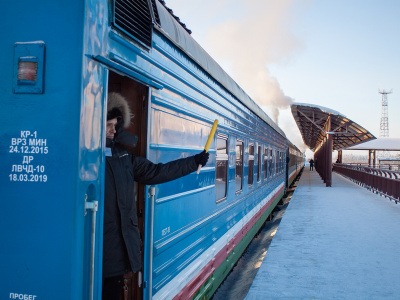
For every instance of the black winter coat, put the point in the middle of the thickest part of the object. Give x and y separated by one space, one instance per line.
121 237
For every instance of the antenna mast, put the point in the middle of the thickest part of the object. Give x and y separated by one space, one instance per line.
384 129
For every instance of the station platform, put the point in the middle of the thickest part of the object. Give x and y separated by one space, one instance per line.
339 242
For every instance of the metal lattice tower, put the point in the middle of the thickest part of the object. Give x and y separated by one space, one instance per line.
384 129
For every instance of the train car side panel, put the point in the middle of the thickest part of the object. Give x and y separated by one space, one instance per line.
42 203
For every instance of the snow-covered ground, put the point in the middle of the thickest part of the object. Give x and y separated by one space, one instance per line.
339 242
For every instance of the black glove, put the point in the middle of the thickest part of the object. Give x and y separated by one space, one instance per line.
201 158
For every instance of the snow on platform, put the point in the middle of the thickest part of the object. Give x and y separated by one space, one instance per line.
339 242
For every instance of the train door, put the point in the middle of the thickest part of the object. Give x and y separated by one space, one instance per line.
137 96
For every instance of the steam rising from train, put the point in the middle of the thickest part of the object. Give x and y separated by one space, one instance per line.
259 36
248 36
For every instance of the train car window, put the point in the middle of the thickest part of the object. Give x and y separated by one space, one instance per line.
239 166
221 172
265 163
280 161
251 164
272 163
277 162
259 164
284 155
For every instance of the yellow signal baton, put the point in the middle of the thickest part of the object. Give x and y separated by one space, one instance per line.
209 141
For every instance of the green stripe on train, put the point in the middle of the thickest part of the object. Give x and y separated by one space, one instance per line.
215 280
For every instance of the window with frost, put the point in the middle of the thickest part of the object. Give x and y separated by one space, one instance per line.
239 166
221 173
251 164
271 163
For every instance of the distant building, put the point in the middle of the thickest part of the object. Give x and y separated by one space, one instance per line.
390 163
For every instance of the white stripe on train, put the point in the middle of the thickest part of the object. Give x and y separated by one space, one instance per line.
172 288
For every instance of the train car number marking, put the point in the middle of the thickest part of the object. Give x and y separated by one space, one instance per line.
28 171
165 231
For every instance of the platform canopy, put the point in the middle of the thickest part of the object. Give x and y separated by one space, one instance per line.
312 121
381 144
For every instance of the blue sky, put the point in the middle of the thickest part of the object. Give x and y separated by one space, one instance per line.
335 54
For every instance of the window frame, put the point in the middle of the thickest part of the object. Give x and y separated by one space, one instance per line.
222 157
240 143
259 149
272 163
279 162
250 162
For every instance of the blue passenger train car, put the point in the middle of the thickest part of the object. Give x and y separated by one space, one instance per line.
59 60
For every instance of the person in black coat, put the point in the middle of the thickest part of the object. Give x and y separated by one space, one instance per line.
311 164
121 237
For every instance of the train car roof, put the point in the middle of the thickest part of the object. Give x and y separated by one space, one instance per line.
291 145
176 33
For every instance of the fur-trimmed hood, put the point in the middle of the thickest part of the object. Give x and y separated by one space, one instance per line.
117 103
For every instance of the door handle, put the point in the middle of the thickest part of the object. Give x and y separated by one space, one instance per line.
92 205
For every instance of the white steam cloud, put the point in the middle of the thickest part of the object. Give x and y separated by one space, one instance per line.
260 36
245 36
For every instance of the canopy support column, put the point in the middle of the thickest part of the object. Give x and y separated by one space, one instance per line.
374 158
340 157
323 155
329 149
369 158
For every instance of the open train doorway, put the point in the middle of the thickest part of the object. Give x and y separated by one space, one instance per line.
137 96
